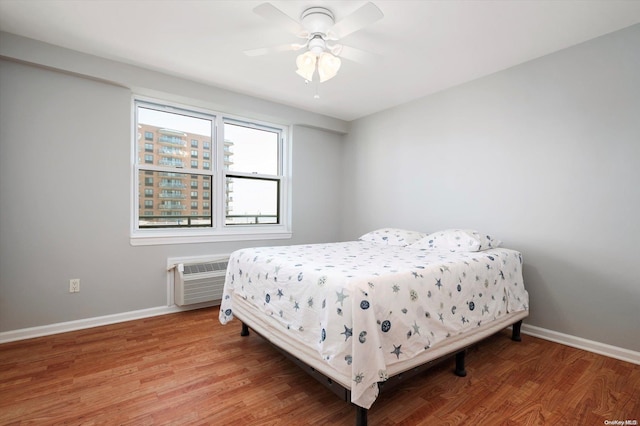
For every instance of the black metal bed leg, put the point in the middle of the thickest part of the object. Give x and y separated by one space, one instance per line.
515 332
460 371
245 330
361 416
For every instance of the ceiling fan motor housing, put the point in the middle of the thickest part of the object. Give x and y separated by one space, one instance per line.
317 20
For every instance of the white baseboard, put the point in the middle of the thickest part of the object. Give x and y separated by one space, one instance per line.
63 327
580 343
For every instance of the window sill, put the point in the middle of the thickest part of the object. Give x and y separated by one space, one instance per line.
163 238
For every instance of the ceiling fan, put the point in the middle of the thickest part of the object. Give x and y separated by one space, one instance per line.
318 27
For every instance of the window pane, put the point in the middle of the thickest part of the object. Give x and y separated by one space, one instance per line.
251 201
250 150
173 134
173 203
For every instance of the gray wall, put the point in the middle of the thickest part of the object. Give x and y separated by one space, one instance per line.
545 156
65 187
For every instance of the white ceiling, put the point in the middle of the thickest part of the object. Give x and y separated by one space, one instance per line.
423 46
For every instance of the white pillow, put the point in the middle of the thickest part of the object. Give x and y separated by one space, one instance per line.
455 240
392 236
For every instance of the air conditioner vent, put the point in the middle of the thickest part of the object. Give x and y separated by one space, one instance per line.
199 282
205 267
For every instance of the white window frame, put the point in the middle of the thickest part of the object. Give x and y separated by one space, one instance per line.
218 232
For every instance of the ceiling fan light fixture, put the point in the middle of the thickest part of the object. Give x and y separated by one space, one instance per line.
318 26
328 66
306 65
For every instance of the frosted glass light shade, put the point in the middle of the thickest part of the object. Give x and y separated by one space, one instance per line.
306 65
328 66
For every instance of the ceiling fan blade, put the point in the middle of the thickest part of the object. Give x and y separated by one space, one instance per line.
278 17
355 55
367 14
274 49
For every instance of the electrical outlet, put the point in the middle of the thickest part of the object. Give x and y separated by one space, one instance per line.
74 285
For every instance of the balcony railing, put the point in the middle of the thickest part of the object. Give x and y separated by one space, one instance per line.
171 206
172 185
174 221
203 221
172 140
171 151
172 162
251 219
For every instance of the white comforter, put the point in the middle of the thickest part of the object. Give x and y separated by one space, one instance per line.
364 306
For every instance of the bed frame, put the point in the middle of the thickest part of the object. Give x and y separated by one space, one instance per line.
394 380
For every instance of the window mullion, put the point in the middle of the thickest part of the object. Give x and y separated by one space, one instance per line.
219 207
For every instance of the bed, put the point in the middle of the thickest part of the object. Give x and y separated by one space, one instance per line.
362 312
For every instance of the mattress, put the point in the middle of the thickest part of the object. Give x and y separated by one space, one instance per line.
360 312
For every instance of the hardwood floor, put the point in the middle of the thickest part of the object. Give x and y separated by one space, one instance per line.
187 368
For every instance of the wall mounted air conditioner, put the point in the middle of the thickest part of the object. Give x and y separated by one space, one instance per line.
199 282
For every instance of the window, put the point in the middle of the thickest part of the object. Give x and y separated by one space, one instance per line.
239 191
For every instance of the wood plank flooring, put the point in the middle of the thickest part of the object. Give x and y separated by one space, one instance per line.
188 369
